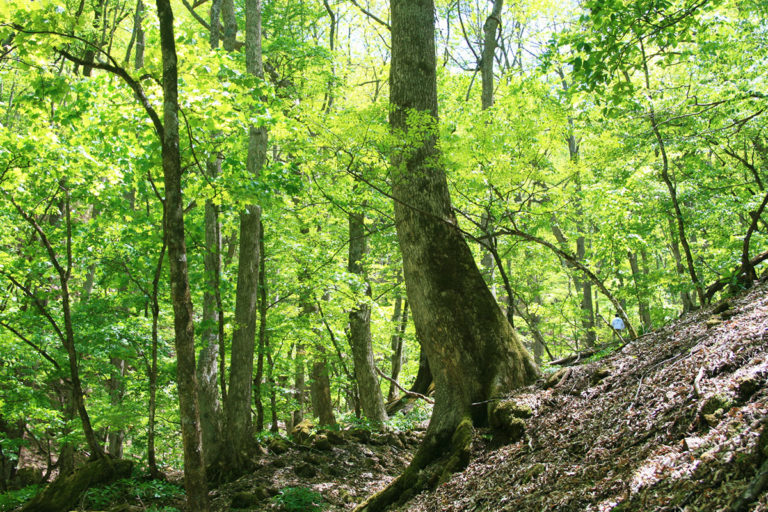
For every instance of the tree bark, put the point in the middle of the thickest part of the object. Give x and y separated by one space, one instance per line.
207 365
194 469
490 32
671 187
263 342
238 403
473 352
320 392
368 387
400 321
642 301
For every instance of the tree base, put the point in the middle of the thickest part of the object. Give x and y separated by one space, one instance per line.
62 494
431 466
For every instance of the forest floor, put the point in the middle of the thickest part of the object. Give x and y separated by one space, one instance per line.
671 422
328 470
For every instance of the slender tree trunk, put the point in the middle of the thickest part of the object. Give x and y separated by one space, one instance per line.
671 187
207 365
116 393
474 354
155 307
263 343
674 246
423 380
400 321
194 467
369 390
299 381
642 301
238 404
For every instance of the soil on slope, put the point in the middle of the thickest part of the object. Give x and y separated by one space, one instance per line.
343 467
670 422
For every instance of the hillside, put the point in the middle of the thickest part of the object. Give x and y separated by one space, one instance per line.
670 422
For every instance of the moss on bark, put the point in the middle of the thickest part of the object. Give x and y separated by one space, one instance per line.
62 494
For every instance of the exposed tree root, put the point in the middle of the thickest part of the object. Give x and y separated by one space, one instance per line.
434 463
62 494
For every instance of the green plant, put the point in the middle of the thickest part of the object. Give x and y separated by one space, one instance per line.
131 490
299 499
409 421
12 499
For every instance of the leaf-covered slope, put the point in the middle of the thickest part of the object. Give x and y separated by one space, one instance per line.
675 425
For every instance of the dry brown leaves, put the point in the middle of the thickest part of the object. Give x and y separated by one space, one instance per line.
643 438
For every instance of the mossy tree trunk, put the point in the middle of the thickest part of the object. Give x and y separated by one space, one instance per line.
473 353
239 430
194 471
371 399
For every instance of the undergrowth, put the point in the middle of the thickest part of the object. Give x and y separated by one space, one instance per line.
152 494
299 499
12 499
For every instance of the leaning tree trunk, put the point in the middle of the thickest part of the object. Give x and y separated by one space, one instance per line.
474 354
194 470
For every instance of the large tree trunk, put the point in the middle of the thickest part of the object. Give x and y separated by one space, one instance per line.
238 403
320 392
360 328
473 353
194 470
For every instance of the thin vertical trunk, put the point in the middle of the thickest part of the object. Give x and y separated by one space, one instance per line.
194 467
238 403
369 390
230 24
263 342
642 301
207 364
423 380
674 246
116 393
671 187
299 381
155 308
400 321
138 58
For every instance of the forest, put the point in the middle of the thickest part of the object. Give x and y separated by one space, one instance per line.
231 224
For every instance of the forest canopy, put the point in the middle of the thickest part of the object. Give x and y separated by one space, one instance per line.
603 159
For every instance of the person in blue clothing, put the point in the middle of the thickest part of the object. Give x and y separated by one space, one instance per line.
618 325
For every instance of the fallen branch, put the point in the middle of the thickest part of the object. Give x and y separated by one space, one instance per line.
411 394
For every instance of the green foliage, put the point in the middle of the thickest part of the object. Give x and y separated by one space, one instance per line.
411 420
156 493
299 499
11 500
